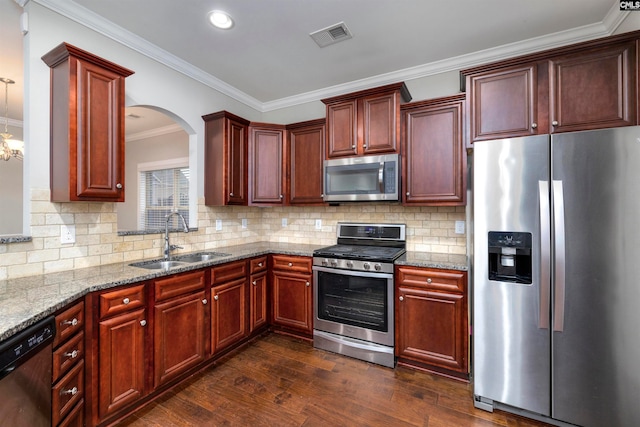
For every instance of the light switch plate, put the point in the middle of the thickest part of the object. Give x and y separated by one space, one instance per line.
318 224
67 234
218 224
244 222
284 222
459 227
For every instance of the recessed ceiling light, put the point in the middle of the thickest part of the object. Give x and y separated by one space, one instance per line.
220 19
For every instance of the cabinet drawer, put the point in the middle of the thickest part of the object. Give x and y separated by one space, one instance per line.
434 279
227 272
292 263
67 393
258 264
67 355
69 322
179 285
75 417
122 300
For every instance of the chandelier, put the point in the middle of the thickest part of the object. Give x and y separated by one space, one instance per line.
9 147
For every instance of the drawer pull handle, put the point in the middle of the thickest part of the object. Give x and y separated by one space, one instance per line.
143 323
72 322
126 301
72 355
72 392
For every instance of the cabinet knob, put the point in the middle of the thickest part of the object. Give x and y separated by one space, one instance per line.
72 322
254 283
118 186
401 298
364 145
290 264
72 391
215 297
204 301
322 195
554 123
143 323
353 146
126 301
72 355
259 264
407 194
534 125
230 194
281 196
308 284
429 280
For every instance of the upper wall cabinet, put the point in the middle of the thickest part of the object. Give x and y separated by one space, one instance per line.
365 122
87 126
590 85
225 164
306 156
434 157
267 160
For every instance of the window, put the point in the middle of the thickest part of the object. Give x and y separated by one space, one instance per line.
162 191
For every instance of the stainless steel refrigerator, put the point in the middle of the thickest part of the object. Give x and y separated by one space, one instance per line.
556 276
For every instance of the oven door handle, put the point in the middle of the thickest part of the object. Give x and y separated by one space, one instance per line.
352 273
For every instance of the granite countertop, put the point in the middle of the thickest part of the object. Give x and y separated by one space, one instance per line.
26 300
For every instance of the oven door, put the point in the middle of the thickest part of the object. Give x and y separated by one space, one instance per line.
354 304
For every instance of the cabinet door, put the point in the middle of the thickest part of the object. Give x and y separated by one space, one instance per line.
593 90
380 115
266 160
342 132
258 301
503 103
306 156
179 336
122 361
228 314
236 163
431 328
434 161
292 301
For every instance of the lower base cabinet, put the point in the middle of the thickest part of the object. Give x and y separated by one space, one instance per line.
292 293
432 320
228 305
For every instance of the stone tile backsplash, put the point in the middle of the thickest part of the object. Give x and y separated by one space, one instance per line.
429 229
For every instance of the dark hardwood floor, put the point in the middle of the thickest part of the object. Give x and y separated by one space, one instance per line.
278 380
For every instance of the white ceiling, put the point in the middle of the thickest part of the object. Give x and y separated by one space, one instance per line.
268 59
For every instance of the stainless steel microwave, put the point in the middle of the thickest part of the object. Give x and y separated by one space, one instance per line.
363 178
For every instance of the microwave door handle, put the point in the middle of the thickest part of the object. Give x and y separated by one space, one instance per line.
381 177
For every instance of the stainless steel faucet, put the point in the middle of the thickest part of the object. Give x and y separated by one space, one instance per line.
167 246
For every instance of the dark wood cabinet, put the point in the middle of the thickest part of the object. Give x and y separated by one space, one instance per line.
365 122
292 293
228 305
258 296
179 325
306 157
226 159
87 126
267 160
590 85
68 373
117 353
434 156
432 320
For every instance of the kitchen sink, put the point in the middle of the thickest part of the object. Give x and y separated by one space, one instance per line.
158 265
200 256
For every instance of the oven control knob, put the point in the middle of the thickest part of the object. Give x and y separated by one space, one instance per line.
325 262
378 267
350 264
366 266
334 263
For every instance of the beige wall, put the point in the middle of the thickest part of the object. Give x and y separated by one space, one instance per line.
97 242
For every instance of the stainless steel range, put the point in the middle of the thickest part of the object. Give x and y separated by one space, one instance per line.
353 291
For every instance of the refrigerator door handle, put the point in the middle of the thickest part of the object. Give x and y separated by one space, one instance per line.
545 254
559 272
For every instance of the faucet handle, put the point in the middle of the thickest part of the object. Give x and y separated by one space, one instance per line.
174 247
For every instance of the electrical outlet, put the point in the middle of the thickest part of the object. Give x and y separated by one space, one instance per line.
218 224
318 224
459 227
284 222
244 222
67 234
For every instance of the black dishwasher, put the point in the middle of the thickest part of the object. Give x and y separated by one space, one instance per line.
25 376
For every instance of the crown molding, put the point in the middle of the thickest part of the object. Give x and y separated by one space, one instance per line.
151 133
93 21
